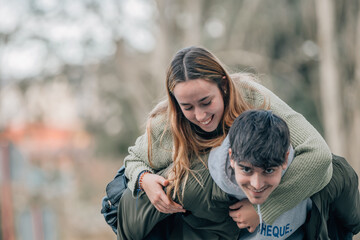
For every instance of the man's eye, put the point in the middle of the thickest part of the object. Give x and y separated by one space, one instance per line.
246 169
269 171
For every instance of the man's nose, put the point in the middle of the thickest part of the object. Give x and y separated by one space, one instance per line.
257 182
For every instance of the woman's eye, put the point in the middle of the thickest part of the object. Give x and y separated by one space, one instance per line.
208 103
269 171
188 108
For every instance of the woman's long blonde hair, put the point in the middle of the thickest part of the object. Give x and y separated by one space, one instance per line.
190 64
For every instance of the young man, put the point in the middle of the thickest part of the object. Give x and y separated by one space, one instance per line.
250 164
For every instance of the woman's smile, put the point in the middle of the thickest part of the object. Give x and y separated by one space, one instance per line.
207 121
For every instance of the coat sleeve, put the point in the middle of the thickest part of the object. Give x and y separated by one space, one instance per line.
311 168
344 186
137 160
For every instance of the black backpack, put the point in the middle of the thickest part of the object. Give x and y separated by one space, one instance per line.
110 203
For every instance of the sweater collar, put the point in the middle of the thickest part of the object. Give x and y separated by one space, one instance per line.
207 135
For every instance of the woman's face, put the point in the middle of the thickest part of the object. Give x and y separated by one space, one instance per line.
201 102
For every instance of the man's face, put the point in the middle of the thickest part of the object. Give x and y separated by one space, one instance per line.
257 183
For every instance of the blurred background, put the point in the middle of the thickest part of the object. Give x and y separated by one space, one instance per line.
77 79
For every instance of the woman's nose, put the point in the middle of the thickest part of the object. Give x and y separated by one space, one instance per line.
200 115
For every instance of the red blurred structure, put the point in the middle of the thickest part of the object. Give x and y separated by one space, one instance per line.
7 216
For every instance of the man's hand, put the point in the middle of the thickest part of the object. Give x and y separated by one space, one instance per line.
153 186
244 214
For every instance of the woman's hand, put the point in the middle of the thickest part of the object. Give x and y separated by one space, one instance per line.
244 214
153 186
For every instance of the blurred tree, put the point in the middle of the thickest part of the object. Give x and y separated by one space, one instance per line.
354 99
114 55
330 89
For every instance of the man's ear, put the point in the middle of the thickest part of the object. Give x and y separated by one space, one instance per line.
285 164
232 163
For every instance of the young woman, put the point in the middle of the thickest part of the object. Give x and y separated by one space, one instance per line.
202 102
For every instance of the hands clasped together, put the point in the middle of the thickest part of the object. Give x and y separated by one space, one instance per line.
242 212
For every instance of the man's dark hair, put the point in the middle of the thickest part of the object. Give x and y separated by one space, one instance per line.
260 138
